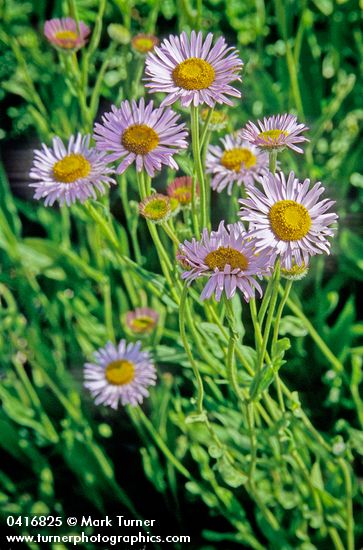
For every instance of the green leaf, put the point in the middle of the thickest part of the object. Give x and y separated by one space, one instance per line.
352 246
230 475
292 325
278 352
261 382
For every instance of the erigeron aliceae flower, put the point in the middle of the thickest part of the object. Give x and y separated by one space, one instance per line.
142 320
227 257
275 132
136 132
194 71
120 374
66 173
295 272
144 43
217 121
288 217
237 161
156 208
181 190
64 34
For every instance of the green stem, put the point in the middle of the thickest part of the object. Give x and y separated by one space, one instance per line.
95 97
275 338
231 363
290 60
253 441
66 227
168 230
272 161
199 170
280 310
48 426
136 80
338 366
247 367
73 12
206 127
164 259
256 326
265 301
348 503
270 313
336 540
106 288
198 378
160 443
131 222
107 229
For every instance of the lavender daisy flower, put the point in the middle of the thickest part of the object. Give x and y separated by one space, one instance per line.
193 71
275 132
229 260
120 374
236 162
140 133
142 320
64 35
68 173
288 217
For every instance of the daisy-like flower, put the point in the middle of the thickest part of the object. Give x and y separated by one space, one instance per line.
140 133
288 217
193 70
275 132
181 190
64 35
142 320
120 374
237 161
218 120
295 272
156 208
67 173
144 43
228 258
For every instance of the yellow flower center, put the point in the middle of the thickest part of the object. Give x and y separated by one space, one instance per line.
272 135
157 209
143 324
290 221
139 139
68 38
218 117
174 204
143 44
194 74
295 272
183 194
120 372
235 158
71 168
226 256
